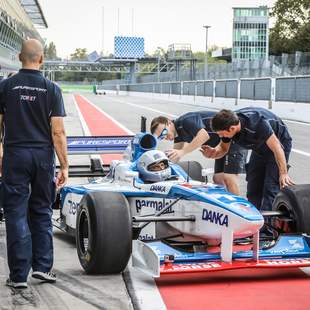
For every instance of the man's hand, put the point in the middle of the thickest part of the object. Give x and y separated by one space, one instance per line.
174 155
61 178
285 180
208 151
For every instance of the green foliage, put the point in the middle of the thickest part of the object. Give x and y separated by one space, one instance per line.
50 52
291 30
79 54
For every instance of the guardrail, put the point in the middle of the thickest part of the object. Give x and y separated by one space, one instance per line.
292 89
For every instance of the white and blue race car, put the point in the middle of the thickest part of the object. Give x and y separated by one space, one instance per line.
183 224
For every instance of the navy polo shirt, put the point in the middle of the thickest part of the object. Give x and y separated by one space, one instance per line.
28 100
257 125
188 125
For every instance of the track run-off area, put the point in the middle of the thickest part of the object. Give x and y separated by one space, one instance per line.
242 289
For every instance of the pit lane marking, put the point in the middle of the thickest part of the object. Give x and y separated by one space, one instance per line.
109 117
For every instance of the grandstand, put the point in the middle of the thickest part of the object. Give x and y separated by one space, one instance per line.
19 20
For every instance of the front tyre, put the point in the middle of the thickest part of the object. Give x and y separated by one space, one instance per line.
104 232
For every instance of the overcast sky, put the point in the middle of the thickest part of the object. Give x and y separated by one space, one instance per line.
74 23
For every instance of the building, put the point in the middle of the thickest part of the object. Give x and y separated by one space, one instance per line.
18 21
250 33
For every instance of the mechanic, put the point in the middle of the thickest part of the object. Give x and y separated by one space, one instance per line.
32 111
153 166
189 132
267 136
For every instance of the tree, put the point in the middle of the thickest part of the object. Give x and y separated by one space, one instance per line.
290 32
79 54
50 52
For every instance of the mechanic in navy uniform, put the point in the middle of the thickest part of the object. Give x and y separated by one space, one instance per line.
31 113
267 136
189 132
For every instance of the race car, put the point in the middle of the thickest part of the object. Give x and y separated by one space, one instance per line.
181 224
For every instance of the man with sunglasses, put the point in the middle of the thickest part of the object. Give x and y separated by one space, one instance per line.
192 130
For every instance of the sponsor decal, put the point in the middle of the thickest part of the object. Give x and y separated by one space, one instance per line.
146 237
195 266
215 217
73 206
99 142
154 204
286 262
158 188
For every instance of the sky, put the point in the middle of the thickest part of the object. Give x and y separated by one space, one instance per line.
92 24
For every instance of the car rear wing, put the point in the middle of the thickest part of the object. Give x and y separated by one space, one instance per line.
95 145
88 145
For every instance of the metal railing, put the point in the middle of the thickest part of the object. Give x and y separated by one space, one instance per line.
292 89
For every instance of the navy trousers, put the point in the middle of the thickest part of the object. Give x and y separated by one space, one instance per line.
28 192
262 175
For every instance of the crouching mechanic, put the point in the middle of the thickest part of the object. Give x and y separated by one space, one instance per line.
153 166
267 136
192 130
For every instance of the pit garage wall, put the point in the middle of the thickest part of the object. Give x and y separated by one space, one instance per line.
288 97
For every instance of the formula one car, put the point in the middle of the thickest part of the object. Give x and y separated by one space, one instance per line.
182 224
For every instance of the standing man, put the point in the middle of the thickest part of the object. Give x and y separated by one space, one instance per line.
267 136
31 113
189 132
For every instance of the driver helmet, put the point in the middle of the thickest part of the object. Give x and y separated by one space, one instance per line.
153 166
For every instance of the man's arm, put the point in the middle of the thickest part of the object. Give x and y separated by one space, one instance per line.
60 144
275 146
215 152
201 137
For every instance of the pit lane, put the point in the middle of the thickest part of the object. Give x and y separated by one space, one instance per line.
246 290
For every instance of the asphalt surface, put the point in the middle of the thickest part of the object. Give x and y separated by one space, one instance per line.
76 290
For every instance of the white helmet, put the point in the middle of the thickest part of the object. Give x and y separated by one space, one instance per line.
153 166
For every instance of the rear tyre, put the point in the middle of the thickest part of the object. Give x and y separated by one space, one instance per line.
193 169
104 232
294 201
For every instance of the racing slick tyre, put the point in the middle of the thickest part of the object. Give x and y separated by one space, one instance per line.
193 169
104 232
294 201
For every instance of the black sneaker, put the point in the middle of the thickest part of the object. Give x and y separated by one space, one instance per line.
13 284
48 277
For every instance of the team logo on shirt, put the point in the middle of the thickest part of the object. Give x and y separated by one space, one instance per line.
27 98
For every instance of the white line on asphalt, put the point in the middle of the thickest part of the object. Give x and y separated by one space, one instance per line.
297 122
145 108
81 117
84 126
301 152
128 131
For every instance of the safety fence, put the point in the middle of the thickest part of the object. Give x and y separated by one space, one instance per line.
292 89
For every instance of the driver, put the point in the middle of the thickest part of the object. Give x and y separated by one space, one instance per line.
153 166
